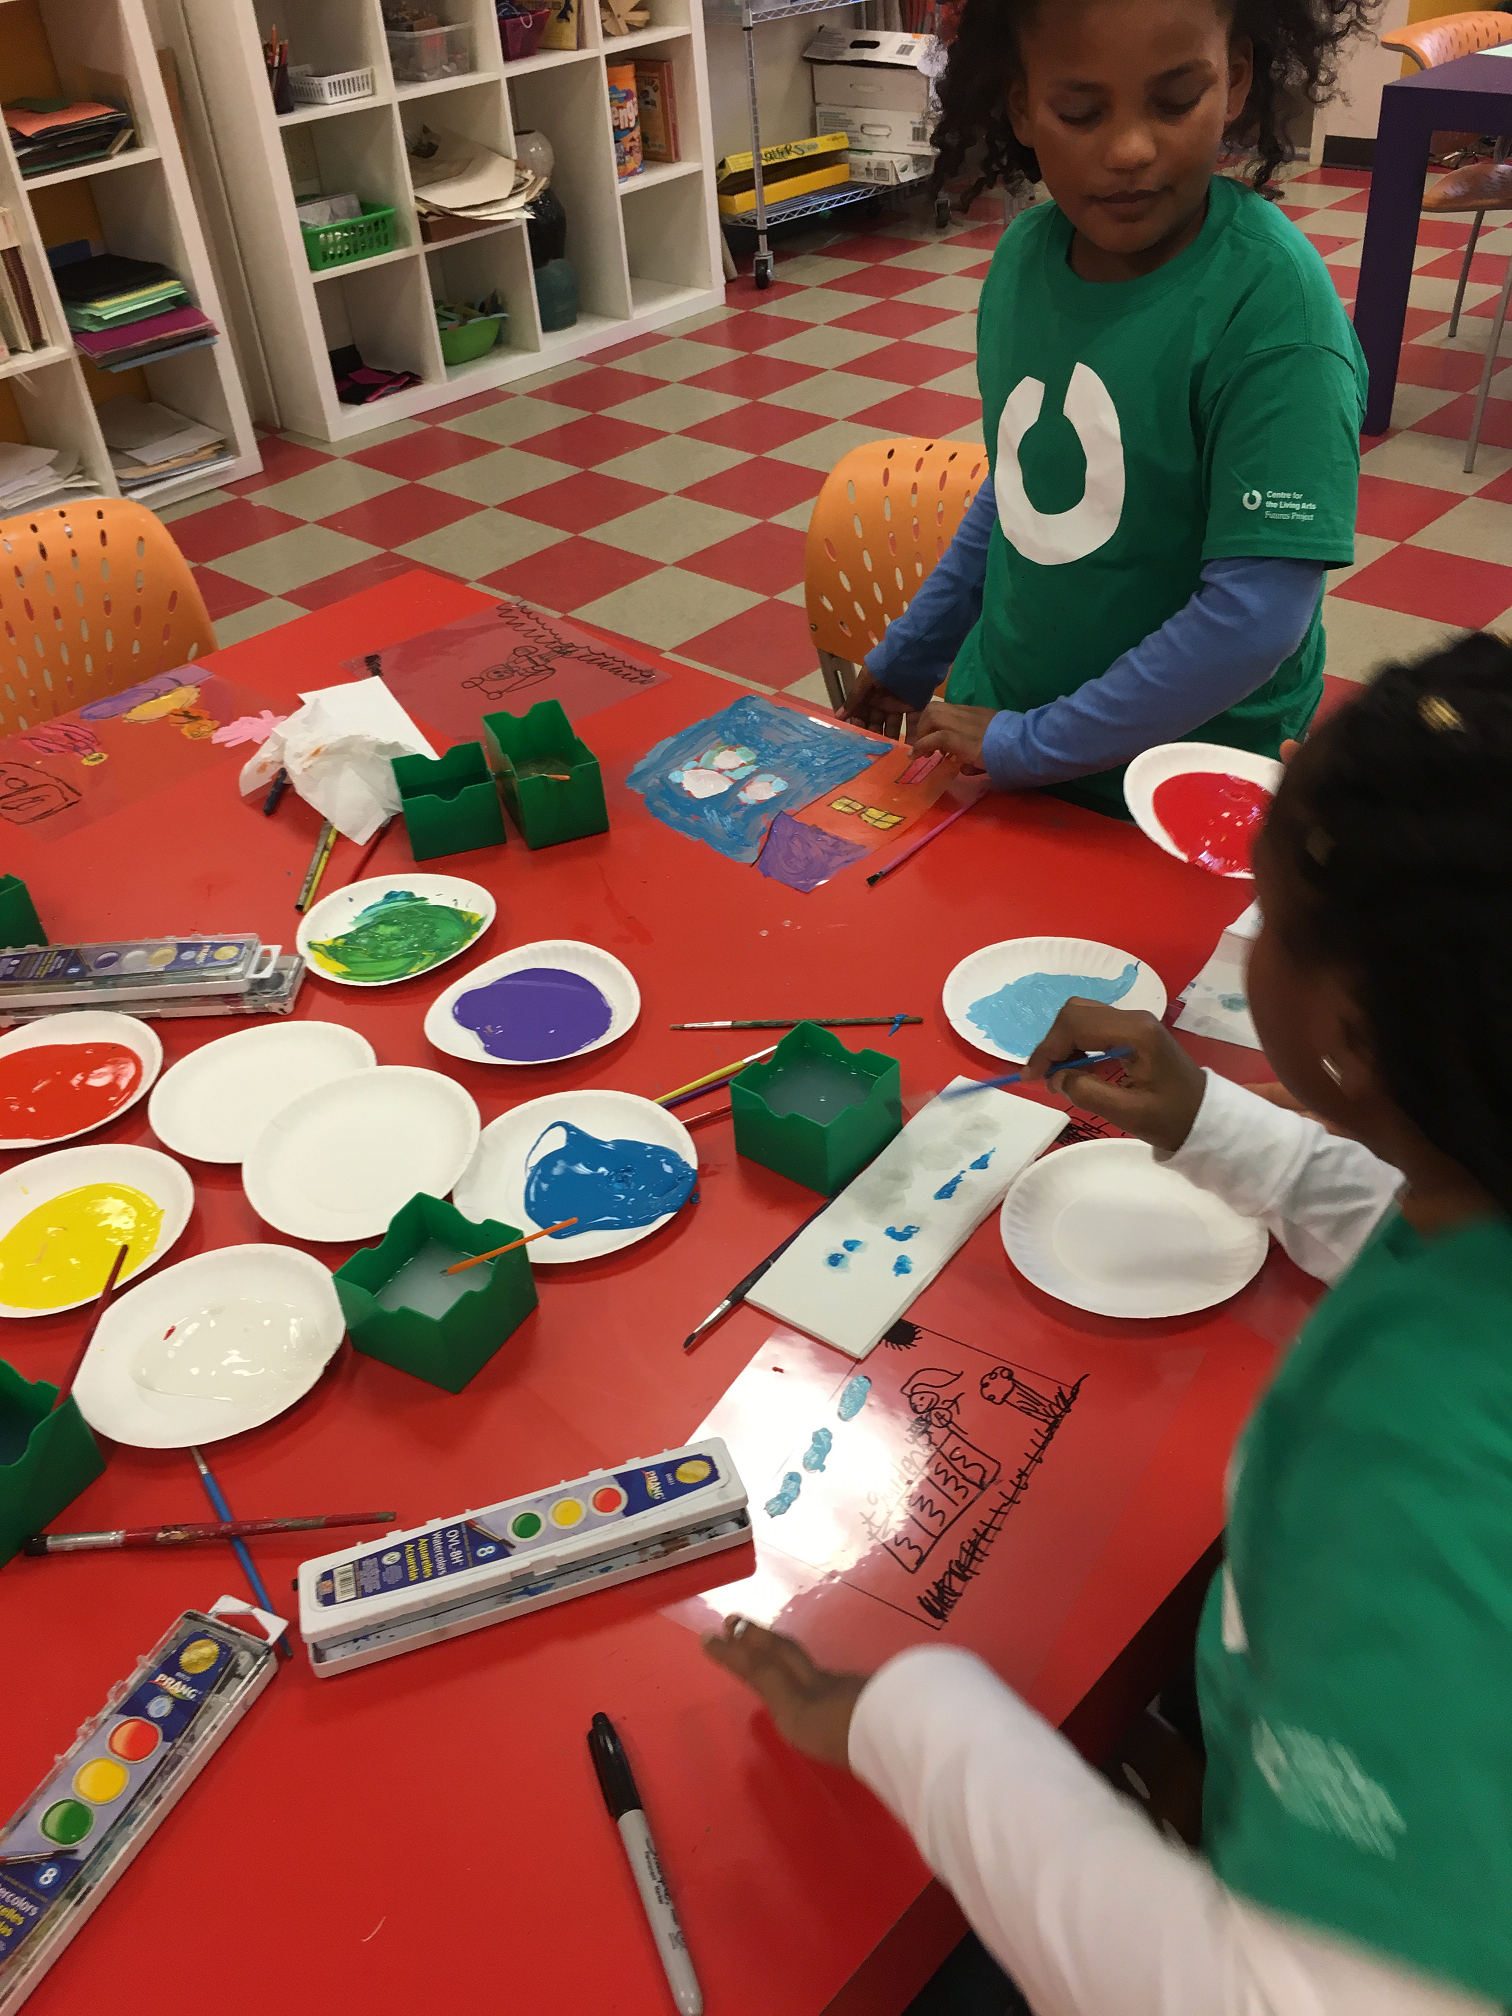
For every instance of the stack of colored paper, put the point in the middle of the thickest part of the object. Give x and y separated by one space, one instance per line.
30 476
129 311
151 444
52 133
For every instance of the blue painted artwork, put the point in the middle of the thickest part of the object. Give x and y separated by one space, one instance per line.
724 780
608 1186
853 1399
982 1160
853 1245
818 1449
947 1190
902 1265
840 1259
803 857
1017 1016
792 1484
902 1233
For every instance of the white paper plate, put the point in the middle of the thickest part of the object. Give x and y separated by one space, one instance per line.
995 966
494 1184
110 1398
157 1176
1149 771
336 913
1105 1227
567 955
214 1103
87 1025
340 1161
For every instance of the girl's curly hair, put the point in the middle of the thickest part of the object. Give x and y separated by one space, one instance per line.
1296 44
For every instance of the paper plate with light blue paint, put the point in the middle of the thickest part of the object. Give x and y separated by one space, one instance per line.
535 1005
621 1165
1004 998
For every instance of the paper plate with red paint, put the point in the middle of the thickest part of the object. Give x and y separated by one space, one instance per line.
68 1074
1203 803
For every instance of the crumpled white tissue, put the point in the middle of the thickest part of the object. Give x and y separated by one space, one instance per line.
337 748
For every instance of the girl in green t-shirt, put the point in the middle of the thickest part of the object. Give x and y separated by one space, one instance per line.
1171 400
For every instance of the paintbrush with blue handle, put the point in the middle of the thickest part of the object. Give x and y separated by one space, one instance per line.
1081 1062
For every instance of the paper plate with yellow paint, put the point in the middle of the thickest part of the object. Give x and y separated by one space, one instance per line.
65 1216
392 928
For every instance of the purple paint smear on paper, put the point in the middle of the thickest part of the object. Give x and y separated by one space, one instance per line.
536 1014
802 856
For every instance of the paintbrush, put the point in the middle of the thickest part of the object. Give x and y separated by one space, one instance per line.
741 1289
888 1022
317 866
711 1078
184 1536
908 852
1081 1062
100 1307
477 1259
368 852
714 1113
217 1499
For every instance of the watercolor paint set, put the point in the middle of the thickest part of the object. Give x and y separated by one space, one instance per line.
449 1576
235 974
128 1767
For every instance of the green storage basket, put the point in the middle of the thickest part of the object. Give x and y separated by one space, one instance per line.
823 1155
546 809
364 237
450 804
46 1458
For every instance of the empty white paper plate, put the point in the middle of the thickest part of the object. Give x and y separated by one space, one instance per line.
1155 767
68 1251
494 1185
224 1294
215 1102
1106 1227
396 927
585 993
339 1162
84 1025
1034 968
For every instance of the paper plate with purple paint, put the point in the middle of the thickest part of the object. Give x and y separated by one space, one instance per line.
392 928
621 1165
1004 998
535 1005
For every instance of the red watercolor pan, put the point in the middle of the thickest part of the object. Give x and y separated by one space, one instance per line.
65 1075
1203 803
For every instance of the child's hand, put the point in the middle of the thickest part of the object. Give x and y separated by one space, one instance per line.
956 731
872 706
811 1708
1164 1089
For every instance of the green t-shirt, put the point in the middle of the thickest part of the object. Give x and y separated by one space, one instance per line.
1210 410
1355 1655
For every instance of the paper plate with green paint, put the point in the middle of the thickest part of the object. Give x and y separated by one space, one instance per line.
392 928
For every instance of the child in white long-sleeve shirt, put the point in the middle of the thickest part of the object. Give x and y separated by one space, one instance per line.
1354 1652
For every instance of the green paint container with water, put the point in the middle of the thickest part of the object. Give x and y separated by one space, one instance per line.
816 1111
549 779
450 803
401 1306
46 1459
19 922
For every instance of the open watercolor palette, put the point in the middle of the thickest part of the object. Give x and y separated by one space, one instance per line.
1203 803
536 1004
65 1216
64 1075
218 1344
392 927
213 1104
1004 998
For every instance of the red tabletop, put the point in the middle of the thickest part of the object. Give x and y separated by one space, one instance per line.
430 1825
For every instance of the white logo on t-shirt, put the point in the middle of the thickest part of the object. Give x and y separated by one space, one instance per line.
1054 538
1252 500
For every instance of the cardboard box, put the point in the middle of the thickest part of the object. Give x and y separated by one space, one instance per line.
876 132
871 70
888 170
792 168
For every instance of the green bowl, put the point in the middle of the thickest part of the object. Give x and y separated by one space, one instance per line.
471 339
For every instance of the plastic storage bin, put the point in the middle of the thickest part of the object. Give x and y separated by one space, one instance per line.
363 237
548 778
450 804
46 1459
425 55
339 87
449 1349
780 1107
19 922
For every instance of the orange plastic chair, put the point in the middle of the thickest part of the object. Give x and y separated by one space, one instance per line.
1429 43
885 515
94 597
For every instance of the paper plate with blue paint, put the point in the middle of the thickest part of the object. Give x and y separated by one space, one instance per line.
535 1005
1004 998
621 1165
392 928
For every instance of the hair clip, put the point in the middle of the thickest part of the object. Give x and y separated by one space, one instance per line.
1437 714
1319 845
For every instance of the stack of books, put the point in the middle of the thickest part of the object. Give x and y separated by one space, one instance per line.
151 444
126 311
53 133
21 329
34 476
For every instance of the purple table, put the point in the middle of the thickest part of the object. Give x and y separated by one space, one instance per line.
1473 94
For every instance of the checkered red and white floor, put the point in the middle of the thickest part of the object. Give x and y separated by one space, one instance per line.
661 490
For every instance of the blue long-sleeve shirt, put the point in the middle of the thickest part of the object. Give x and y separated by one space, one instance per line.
1246 618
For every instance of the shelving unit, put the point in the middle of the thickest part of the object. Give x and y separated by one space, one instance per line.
138 203
645 251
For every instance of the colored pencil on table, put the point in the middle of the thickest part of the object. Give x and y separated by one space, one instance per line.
223 1512
820 1021
101 1305
933 834
1081 1062
183 1536
741 1289
317 866
477 1259
276 790
714 1113
711 1078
